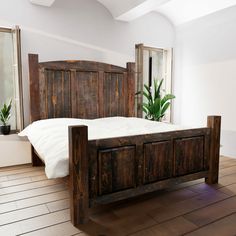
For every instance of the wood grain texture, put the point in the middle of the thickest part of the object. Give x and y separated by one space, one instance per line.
158 185
214 123
34 87
158 162
189 155
108 170
131 87
194 208
80 89
116 169
78 169
152 160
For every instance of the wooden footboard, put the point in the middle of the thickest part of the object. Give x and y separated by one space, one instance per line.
108 170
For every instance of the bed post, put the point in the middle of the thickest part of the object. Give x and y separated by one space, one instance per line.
214 122
78 169
34 99
34 87
131 88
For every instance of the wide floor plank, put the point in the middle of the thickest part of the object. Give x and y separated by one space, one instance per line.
32 205
224 227
62 229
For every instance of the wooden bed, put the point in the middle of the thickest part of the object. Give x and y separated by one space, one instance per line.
108 170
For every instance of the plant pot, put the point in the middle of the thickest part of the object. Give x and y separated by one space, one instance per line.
5 129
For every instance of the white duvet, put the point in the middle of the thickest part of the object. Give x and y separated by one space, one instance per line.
50 137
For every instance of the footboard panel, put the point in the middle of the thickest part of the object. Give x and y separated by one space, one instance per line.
189 155
127 163
157 161
113 169
116 169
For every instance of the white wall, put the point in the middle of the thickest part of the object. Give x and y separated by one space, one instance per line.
15 150
205 52
205 74
83 30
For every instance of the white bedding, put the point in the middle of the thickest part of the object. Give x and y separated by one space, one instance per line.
50 137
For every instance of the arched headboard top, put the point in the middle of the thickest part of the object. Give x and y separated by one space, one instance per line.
80 89
81 65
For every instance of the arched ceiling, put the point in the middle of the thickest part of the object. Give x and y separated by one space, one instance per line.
128 10
177 11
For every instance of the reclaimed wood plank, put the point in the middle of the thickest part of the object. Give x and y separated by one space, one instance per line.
78 168
63 229
214 122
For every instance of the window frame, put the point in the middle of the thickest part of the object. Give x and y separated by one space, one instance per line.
139 80
18 78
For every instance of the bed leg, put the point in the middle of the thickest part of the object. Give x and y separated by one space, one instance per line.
214 122
78 169
35 159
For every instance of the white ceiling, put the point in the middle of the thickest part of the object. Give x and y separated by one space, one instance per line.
183 11
177 11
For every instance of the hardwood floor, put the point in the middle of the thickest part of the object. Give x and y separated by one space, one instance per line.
31 205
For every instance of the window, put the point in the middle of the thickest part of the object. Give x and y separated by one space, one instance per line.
152 63
10 74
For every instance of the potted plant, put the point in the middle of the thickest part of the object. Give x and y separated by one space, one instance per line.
156 104
5 115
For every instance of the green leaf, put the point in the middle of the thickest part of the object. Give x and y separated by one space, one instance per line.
159 88
147 88
146 95
147 107
164 108
155 89
156 105
5 114
166 98
145 110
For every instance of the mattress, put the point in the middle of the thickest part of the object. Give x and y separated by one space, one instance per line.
50 137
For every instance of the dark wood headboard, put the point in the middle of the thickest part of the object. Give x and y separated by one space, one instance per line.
80 89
